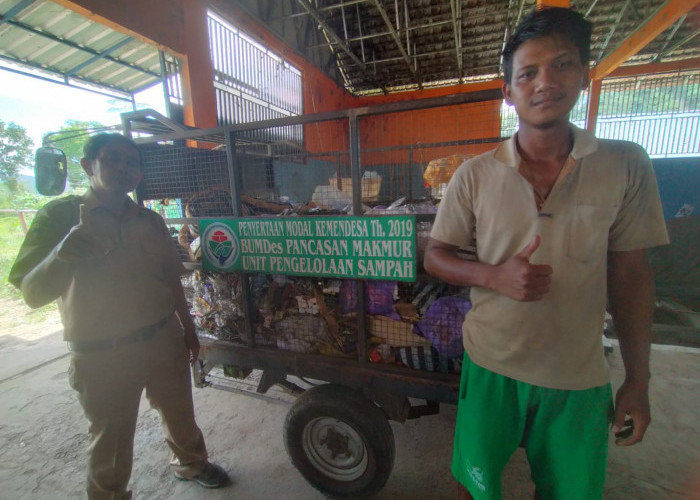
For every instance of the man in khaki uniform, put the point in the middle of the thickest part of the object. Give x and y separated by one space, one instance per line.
561 221
116 273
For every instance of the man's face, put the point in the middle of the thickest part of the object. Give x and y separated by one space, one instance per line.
116 169
547 79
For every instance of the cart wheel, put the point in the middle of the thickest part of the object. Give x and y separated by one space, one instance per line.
340 441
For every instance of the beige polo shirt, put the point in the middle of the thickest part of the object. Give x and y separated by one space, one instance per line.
608 201
115 294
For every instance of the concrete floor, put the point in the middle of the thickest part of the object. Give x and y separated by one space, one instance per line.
43 439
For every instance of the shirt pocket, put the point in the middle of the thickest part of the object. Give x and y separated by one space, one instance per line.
588 232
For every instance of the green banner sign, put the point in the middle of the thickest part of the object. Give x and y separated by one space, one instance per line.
382 248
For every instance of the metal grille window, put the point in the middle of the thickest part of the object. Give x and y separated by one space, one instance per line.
171 78
659 112
251 82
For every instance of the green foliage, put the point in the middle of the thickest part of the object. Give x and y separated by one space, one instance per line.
18 197
15 152
649 99
29 200
11 236
6 199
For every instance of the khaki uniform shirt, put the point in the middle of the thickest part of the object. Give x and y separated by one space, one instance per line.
116 294
608 201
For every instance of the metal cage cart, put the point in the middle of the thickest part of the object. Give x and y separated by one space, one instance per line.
304 237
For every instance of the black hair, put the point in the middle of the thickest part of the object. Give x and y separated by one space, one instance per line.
96 142
557 21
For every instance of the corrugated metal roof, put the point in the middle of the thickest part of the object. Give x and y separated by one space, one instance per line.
43 35
389 45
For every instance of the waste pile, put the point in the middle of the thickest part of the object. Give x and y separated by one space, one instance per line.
418 325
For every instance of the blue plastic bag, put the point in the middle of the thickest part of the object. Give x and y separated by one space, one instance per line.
442 325
379 297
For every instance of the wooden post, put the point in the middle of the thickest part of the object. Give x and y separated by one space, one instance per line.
593 104
23 221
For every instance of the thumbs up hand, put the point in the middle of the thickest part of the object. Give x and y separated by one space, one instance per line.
81 242
527 252
520 280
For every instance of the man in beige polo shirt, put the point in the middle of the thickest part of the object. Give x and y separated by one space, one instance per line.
561 221
116 273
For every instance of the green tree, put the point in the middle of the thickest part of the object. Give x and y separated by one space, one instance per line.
15 152
70 138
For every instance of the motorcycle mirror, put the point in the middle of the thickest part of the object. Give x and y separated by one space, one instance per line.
50 171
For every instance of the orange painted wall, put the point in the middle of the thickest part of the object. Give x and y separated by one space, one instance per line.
434 125
424 128
415 130
138 18
325 137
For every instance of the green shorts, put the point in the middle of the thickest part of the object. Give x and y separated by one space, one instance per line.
564 433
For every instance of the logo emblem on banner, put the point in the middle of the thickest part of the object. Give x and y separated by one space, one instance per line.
220 245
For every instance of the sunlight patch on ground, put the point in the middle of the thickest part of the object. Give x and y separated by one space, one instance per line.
19 321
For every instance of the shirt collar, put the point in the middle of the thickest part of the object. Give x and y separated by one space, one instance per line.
585 144
91 201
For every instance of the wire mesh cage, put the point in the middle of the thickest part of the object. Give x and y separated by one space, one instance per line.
254 175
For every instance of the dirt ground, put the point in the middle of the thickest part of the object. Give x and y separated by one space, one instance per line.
43 435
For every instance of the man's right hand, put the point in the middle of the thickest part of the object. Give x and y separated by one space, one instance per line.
80 243
518 279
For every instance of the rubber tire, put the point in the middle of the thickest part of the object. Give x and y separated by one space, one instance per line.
351 408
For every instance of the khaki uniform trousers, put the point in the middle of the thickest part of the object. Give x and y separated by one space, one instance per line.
109 385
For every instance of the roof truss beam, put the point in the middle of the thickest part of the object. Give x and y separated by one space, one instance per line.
359 29
331 33
679 44
613 28
657 23
89 85
12 13
590 8
456 9
669 37
345 3
397 39
95 58
76 46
